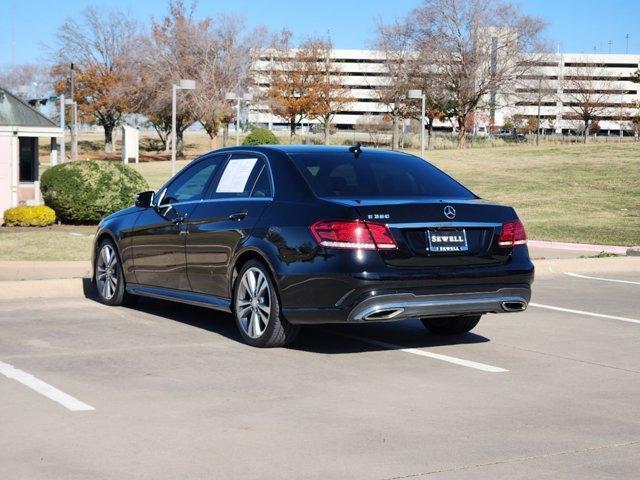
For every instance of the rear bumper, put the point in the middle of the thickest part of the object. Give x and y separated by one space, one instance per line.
406 305
434 292
387 307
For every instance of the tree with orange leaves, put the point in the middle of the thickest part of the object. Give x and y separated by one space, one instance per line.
293 77
100 45
101 99
331 95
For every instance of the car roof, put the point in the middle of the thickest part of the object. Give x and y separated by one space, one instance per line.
316 149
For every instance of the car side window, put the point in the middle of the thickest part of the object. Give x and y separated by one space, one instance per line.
243 176
262 186
191 184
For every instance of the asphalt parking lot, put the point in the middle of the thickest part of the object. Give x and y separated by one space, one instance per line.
168 391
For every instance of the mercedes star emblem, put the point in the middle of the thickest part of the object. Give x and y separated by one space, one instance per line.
449 212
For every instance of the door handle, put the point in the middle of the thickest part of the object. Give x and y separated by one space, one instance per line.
238 215
180 220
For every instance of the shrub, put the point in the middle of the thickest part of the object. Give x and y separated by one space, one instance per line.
29 216
87 190
261 136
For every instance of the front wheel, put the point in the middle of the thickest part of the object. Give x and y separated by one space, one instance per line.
257 310
109 276
450 325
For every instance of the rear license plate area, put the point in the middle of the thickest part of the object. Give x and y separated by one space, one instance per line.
447 240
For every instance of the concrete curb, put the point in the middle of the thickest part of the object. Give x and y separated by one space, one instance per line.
611 265
43 270
52 288
579 247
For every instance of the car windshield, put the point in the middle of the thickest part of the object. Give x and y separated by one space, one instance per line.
340 174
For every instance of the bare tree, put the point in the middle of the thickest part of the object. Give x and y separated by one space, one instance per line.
293 76
479 48
99 44
635 121
585 95
377 127
635 116
395 43
534 92
225 55
438 101
172 41
35 79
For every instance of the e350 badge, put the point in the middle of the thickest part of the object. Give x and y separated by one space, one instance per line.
378 216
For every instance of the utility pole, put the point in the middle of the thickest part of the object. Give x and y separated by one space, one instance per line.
184 84
627 38
610 42
238 121
539 102
419 94
63 127
74 120
174 90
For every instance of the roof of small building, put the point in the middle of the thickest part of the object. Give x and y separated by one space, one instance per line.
15 112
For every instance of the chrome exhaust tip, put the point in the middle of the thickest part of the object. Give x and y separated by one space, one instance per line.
514 306
385 314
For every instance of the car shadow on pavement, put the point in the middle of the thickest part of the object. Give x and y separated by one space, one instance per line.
322 339
337 339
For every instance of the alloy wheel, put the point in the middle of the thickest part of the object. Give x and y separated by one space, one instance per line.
107 272
253 302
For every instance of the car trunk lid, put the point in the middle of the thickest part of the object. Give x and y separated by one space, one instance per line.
438 232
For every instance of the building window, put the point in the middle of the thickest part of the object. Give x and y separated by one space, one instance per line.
28 159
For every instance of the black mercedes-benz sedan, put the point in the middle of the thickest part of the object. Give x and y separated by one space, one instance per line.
284 236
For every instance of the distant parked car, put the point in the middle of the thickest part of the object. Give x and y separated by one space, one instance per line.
283 236
511 137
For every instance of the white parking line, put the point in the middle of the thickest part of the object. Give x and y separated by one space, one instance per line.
601 279
44 388
437 356
582 312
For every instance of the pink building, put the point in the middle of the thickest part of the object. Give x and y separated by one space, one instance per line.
20 128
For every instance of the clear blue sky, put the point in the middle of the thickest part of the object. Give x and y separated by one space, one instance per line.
578 25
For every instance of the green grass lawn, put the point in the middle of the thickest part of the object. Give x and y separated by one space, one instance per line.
56 242
573 193
157 173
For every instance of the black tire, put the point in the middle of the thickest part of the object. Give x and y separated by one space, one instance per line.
119 297
450 325
278 332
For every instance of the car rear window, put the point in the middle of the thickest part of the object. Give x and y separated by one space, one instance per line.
375 175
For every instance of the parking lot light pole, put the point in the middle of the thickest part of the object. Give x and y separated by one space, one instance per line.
415 94
72 104
232 96
247 97
183 85
63 128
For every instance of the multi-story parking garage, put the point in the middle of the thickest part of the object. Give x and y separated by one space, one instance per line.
559 89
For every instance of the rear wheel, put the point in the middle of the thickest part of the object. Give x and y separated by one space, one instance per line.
257 310
450 325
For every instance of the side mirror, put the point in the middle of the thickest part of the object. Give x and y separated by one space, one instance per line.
144 199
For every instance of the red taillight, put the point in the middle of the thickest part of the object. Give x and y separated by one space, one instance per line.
512 234
381 235
353 234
